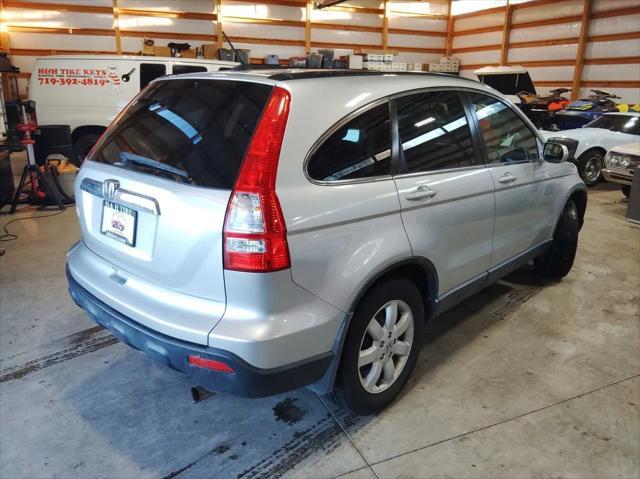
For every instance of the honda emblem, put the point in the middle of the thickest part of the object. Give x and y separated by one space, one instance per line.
109 188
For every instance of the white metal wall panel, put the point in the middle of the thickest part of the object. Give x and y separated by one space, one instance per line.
166 25
346 18
50 41
96 3
199 6
559 9
255 30
619 48
556 52
490 38
551 73
545 32
413 8
479 58
27 17
415 41
344 36
604 5
417 23
481 21
606 26
262 10
624 72
417 57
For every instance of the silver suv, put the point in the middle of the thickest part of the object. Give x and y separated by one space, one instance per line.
263 231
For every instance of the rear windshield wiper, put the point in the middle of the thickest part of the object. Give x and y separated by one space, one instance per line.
126 157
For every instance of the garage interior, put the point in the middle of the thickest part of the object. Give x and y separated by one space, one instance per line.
528 378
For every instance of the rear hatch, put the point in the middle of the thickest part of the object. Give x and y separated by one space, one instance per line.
153 194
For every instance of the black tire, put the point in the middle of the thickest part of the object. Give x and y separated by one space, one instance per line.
558 260
82 146
590 165
626 190
349 391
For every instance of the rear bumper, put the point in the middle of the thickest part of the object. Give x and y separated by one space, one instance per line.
247 380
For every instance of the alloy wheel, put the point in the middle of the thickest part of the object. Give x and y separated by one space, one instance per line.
385 346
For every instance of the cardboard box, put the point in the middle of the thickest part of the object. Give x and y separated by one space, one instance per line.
387 57
374 57
162 51
210 51
355 62
190 53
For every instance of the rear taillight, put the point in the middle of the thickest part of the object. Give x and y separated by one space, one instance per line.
255 235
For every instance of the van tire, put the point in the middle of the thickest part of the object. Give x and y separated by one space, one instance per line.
557 261
350 392
82 146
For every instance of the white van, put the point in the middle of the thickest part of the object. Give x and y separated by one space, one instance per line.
86 92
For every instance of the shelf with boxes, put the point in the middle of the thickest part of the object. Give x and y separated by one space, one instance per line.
446 65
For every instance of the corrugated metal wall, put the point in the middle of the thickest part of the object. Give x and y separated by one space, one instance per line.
544 38
416 30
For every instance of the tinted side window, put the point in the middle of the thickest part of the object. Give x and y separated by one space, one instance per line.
358 149
507 137
179 69
149 72
434 132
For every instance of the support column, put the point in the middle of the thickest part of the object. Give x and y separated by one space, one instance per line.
506 34
307 27
116 27
451 23
219 38
385 27
582 45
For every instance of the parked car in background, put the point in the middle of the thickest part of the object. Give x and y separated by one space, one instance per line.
259 248
620 165
86 92
595 139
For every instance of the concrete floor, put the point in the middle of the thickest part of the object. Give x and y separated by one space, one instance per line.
523 380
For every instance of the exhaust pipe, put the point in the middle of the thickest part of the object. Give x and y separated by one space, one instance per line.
198 394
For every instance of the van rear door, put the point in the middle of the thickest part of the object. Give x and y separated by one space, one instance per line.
152 196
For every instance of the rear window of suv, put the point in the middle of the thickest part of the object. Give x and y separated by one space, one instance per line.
201 128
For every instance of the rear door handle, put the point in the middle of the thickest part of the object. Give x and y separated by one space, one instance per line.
507 178
421 193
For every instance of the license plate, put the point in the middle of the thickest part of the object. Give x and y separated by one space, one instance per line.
119 223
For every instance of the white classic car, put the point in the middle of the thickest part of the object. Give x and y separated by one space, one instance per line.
595 139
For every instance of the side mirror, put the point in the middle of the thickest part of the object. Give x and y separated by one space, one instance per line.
555 152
